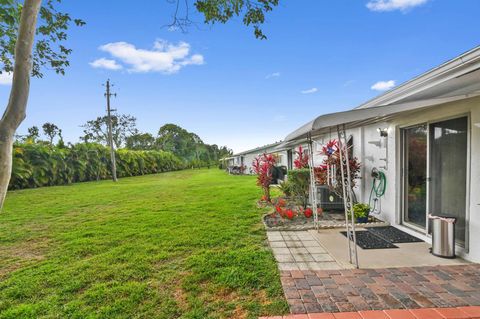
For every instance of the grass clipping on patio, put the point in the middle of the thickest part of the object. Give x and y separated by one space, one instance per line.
187 244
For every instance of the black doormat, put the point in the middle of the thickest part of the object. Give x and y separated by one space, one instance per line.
393 235
368 240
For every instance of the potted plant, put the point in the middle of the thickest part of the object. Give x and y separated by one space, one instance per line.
361 212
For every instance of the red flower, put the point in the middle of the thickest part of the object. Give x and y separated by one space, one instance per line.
278 209
290 214
302 159
308 212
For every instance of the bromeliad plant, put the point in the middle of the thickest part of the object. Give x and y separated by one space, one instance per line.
325 175
302 158
263 166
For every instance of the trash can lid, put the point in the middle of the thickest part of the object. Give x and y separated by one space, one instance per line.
447 219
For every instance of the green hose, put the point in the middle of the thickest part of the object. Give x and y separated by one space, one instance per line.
379 186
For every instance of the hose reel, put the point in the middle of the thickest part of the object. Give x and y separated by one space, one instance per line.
379 186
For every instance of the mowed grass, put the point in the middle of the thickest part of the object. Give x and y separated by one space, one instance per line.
186 244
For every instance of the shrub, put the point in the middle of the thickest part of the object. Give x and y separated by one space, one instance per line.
263 166
36 165
300 185
302 159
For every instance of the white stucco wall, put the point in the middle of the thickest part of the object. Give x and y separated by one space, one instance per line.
391 202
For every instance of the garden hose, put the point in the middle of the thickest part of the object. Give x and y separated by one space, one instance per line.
379 186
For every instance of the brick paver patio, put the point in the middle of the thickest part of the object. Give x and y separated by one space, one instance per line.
427 313
333 291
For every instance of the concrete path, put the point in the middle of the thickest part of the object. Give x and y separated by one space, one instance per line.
300 250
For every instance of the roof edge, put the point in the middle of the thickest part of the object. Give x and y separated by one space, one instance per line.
412 86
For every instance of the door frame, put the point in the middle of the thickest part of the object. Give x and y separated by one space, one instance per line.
401 161
403 193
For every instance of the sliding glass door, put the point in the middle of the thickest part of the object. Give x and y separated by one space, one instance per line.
435 173
415 175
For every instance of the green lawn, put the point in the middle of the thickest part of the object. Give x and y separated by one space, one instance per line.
187 244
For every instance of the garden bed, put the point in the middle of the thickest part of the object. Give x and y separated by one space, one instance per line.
273 221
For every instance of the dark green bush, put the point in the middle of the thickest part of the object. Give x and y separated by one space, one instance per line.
299 180
36 165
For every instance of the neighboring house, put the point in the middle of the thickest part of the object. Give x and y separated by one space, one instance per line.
425 136
246 158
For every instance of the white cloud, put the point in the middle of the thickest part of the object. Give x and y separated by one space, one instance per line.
6 78
309 91
272 75
392 5
164 57
108 64
383 85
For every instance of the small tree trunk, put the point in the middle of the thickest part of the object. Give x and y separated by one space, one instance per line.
17 103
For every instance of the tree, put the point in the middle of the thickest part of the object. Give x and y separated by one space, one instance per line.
140 141
123 126
33 133
51 131
252 13
173 138
19 55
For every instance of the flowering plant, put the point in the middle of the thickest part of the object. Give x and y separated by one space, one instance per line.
325 175
262 166
308 212
302 159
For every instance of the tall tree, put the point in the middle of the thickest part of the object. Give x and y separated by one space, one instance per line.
33 133
140 141
123 126
19 56
51 131
179 141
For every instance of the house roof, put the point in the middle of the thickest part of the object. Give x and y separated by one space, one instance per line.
455 80
259 149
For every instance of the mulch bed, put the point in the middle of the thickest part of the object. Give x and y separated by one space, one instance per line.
331 219
275 220
368 240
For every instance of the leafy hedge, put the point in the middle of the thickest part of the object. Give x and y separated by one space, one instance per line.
36 165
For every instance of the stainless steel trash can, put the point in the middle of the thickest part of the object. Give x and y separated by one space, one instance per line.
443 236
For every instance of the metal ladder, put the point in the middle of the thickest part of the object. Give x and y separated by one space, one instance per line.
347 194
313 184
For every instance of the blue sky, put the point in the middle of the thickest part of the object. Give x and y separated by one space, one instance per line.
232 89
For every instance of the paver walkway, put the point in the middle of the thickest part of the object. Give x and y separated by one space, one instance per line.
299 250
430 313
381 289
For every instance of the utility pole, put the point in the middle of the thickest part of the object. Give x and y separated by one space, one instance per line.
108 94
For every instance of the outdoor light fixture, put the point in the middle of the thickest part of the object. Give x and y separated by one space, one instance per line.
383 132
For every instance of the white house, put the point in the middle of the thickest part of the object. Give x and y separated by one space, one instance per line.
246 158
425 136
